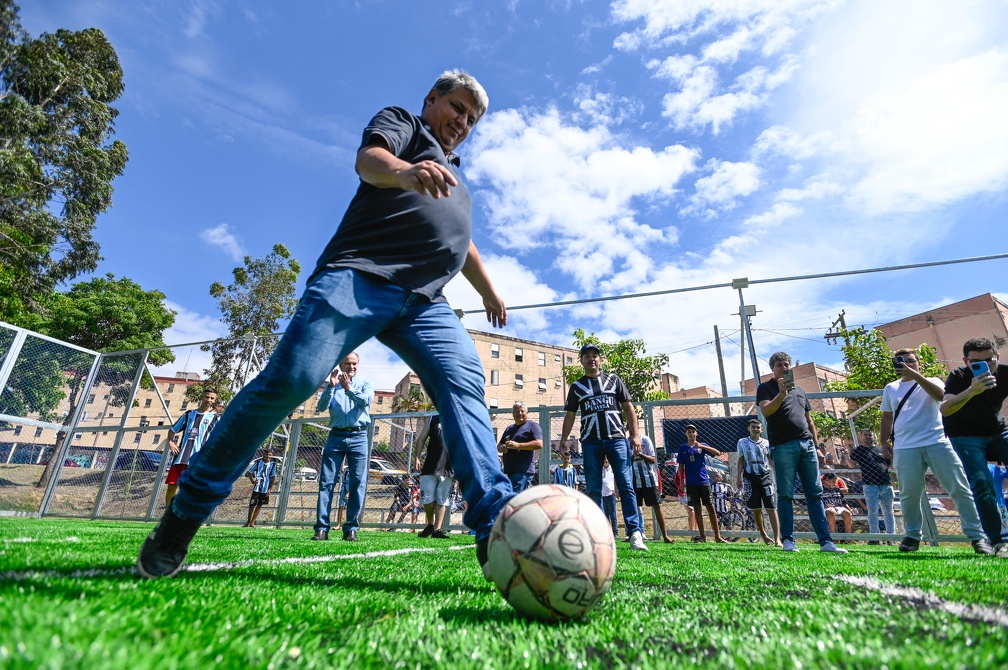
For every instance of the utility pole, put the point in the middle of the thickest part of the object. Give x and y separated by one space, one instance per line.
745 312
832 336
720 363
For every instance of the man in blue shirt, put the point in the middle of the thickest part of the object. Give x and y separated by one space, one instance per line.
347 397
262 473
406 232
518 445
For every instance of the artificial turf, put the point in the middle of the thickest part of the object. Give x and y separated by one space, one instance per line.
70 599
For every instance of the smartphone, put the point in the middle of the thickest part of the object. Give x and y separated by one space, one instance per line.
979 368
789 378
898 363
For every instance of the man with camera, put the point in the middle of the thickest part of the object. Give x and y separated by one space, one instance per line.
913 437
971 413
793 438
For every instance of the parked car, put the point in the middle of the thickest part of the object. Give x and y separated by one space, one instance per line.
306 475
935 503
381 471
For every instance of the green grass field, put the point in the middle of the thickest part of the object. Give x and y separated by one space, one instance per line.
269 598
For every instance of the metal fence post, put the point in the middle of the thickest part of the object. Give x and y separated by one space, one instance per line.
290 467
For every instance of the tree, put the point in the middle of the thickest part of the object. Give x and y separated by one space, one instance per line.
56 161
252 307
103 314
869 365
414 402
626 358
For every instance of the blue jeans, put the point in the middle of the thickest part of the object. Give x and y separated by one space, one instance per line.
618 452
354 448
520 481
974 452
799 456
873 495
609 507
340 310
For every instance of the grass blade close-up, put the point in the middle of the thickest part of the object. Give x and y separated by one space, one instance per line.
269 598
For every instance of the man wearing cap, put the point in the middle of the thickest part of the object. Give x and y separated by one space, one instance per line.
793 439
600 396
348 398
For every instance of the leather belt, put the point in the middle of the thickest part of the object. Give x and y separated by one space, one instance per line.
351 429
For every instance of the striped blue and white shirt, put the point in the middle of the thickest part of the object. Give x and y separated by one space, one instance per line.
565 476
263 473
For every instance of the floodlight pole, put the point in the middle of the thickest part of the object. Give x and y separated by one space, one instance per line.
746 311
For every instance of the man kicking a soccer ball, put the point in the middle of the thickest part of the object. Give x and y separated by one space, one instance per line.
406 232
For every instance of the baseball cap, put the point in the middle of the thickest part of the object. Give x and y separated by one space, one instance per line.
690 425
589 347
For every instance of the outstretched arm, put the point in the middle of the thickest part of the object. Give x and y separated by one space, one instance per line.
379 167
476 274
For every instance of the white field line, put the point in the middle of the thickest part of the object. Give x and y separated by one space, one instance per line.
14 576
968 612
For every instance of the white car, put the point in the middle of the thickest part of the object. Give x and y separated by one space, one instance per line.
936 505
306 475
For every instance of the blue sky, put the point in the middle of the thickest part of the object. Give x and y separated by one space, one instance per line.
630 146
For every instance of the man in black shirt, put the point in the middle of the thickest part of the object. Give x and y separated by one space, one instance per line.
518 445
792 435
876 480
600 397
971 413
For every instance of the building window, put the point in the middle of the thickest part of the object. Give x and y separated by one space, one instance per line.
17 429
570 360
84 416
519 381
301 409
111 415
78 436
138 437
167 404
147 403
144 421
171 388
494 377
377 429
822 384
494 351
38 432
556 358
542 385
542 358
91 398
493 405
161 422
381 400
519 354
556 383
185 405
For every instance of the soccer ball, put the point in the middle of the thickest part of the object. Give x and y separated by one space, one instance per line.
551 553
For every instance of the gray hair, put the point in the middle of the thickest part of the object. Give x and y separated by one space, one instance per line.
518 403
780 356
453 79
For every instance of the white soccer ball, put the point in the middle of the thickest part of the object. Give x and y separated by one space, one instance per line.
551 553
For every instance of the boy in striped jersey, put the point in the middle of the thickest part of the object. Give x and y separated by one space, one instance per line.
262 473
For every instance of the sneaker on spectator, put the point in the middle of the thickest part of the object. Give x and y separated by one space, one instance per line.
439 534
909 544
982 547
831 548
426 532
164 551
637 541
789 545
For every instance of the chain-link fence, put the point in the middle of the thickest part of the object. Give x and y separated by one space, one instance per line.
85 435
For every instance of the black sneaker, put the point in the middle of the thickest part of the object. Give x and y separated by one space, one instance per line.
426 532
983 547
909 544
483 556
439 535
164 551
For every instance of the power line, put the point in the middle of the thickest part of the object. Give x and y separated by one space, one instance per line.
822 275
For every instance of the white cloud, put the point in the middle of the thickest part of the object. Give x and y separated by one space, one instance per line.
221 237
727 182
578 190
190 327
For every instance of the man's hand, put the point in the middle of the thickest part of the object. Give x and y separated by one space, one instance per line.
334 377
984 382
635 444
427 178
495 310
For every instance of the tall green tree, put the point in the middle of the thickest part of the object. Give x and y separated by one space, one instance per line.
628 359
57 162
415 400
252 307
869 364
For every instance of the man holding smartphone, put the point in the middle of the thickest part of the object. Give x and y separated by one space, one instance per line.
793 439
971 412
